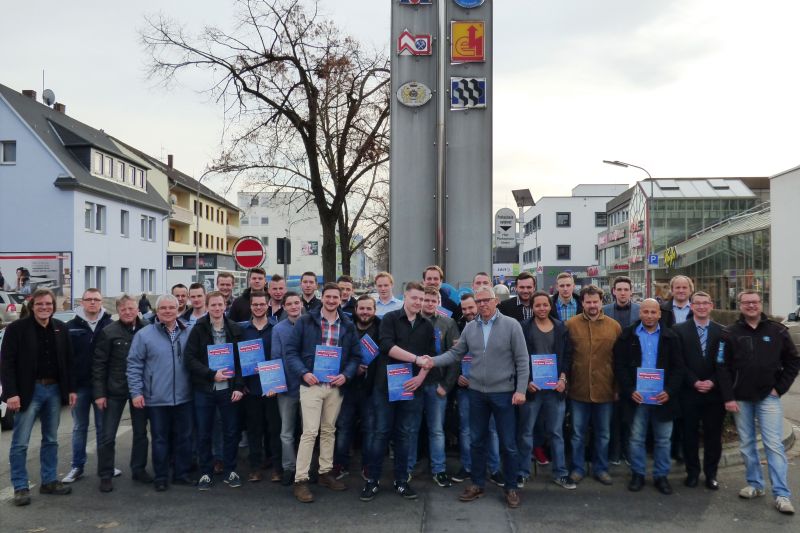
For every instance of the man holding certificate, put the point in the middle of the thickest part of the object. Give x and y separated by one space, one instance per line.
551 357
324 352
649 369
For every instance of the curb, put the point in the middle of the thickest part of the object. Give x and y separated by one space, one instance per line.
732 457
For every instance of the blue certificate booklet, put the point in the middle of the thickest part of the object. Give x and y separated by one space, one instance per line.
220 356
466 365
649 383
326 362
437 340
369 350
272 376
250 354
397 375
544 370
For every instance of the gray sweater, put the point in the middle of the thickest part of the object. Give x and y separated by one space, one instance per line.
502 366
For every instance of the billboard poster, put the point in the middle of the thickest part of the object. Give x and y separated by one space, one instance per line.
25 272
309 248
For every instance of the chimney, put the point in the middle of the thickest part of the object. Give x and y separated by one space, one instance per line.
169 160
61 108
29 93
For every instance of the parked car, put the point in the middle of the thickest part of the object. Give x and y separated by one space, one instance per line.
793 323
10 305
7 417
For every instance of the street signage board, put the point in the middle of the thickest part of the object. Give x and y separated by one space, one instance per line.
652 259
467 41
505 228
409 44
248 252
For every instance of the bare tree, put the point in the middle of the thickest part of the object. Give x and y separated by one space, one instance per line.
307 110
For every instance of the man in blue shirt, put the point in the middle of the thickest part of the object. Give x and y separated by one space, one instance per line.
384 284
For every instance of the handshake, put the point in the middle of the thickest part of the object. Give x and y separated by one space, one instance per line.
425 361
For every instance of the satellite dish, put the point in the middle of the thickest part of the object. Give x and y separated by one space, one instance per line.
48 97
173 199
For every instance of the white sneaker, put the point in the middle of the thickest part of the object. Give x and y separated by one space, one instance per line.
783 505
74 475
750 492
117 472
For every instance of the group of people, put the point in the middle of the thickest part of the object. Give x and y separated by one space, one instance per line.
477 355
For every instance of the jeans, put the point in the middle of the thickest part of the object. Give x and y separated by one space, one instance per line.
482 406
600 416
552 406
464 435
433 407
80 425
357 403
769 414
259 409
46 404
175 422
287 408
206 405
644 416
393 420
106 452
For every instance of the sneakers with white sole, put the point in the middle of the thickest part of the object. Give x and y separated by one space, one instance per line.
783 505
750 492
74 475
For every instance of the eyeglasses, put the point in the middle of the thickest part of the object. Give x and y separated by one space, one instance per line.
95 300
751 302
484 301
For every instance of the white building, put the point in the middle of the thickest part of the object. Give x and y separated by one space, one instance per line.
560 233
784 252
79 212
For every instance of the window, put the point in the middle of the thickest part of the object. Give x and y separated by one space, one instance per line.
265 241
124 223
196 207
563 252
131 175
94 217
88 277
600 219
140 177
245 221
94 277
8 152
563 220
97 163
172 235
108 167
147 228
152 275
264 221
119 173
148 280
124 280
194 238
596 252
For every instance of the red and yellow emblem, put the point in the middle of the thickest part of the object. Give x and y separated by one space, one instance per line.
467 41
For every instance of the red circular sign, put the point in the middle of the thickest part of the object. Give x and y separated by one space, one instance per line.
248 252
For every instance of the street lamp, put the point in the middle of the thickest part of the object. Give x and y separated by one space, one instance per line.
649 231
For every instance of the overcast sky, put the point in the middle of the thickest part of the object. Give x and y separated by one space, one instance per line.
681 87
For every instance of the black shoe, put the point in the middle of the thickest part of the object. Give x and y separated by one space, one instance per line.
142 476
691 481
461 476
663 486
22 497
187 481
160 485
712 483
287 478
636 483
404 489
54 487
106 485
369 491
498 479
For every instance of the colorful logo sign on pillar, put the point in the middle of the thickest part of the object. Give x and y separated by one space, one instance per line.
468 4
416 2
409 44
467 93
467 41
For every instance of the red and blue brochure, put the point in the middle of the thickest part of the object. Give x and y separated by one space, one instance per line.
397 375
327 362
272 376
369 350
649 383
220 357
466 365
250 354
544 370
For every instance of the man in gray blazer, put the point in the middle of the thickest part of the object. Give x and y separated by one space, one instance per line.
498 380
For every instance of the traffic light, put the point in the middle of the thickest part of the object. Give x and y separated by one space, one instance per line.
283 251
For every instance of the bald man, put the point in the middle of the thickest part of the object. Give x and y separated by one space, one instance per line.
645 345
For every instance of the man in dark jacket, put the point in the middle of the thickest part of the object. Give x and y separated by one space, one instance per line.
760 365
215 389
240 308
90 319
349 301
700 396
545 335
111 394
565 303
520 307
308 292
320 401
644 346
37 376
678 308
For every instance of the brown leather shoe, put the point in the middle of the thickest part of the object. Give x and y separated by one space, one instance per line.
471 493
512 499
276 476
254 477
328 480
302 492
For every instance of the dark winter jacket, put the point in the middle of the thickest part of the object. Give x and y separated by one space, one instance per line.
200 338
110 363
83 345
563 348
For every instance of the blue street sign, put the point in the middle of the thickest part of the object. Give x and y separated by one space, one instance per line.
652 259
469 4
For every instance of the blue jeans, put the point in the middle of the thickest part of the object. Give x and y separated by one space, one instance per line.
173 421
393 420
434 407
80 425
482 406
356 403
288 407
552 406
770 418
643 417
206 406
46 404
465 437
600 416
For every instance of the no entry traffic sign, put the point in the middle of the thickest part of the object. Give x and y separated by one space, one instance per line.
248 252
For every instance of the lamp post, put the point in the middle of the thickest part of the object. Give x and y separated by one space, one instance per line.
648 228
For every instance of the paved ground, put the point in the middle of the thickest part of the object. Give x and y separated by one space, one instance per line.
267 506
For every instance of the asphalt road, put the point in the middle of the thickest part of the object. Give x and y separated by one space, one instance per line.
268 506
